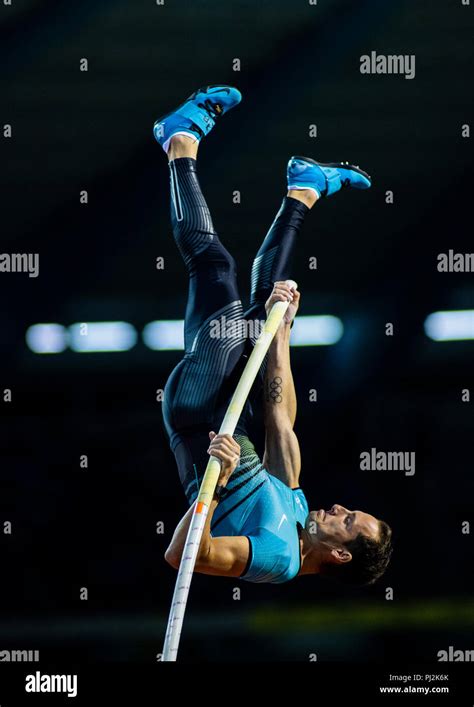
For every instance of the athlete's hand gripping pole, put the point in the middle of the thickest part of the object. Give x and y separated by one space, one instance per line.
211 476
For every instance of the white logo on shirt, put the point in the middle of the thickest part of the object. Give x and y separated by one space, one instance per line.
282 519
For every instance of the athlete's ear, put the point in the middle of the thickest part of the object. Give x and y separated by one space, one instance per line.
339 555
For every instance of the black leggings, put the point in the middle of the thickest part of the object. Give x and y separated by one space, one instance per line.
200 386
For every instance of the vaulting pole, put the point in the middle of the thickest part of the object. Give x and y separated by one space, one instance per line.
210 478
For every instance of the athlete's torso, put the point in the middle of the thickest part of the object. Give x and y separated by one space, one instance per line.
270 517
255 504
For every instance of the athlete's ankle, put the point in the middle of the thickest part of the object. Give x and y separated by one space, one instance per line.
307 196
182 146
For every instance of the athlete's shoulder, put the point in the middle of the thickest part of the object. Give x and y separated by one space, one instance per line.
269 557
298 492
301 504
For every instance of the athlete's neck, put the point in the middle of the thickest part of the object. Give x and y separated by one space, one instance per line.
311 559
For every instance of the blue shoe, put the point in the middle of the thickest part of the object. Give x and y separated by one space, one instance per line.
197 115
325 179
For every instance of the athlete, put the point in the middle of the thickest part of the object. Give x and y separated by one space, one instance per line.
258 526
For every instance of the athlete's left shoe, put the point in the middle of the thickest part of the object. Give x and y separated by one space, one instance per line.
197 115
325 178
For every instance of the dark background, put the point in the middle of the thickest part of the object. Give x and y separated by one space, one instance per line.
92 130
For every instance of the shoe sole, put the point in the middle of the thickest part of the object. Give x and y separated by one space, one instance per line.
340 165
193 95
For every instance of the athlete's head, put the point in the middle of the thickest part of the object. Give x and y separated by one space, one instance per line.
352 546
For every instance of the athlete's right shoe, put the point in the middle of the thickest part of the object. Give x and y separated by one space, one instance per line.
325 178
197 115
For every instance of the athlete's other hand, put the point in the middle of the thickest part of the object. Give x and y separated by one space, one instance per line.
282 292
225 448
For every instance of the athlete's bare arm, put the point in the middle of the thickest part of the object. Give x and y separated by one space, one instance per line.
224 556
282 452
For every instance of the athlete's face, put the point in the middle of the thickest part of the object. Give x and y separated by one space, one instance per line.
340 525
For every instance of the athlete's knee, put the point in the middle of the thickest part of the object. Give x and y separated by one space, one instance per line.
218 262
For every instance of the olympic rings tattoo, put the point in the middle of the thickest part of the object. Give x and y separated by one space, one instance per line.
274 390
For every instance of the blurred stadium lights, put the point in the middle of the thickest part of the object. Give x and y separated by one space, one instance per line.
450 326
47 338
168 334
320 330
159 335
164 335
95 337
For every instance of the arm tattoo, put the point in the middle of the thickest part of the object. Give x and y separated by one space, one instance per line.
274 388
